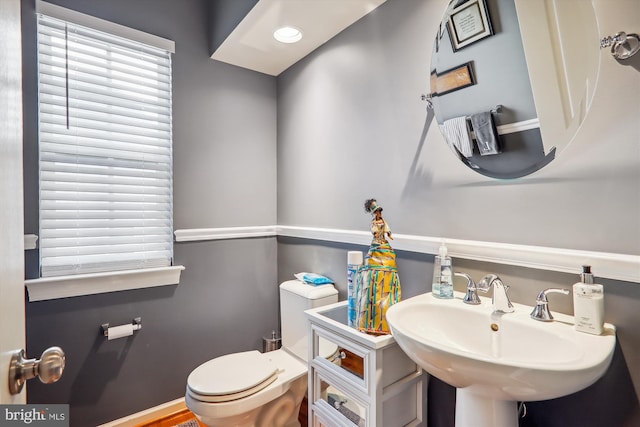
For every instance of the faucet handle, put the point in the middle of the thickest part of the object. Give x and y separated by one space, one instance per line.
471 296
541 311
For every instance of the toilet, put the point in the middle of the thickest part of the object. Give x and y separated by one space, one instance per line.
251 388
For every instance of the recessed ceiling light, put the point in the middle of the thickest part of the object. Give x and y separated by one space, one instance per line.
287 34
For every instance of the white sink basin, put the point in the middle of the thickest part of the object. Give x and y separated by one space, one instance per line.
496 359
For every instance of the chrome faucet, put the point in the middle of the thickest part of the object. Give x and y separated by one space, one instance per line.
541 310
501 302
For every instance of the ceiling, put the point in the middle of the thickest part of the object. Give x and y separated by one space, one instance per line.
251 44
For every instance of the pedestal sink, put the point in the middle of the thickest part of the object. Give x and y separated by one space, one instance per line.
495 360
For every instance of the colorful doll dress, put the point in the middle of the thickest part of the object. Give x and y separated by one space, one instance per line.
377 283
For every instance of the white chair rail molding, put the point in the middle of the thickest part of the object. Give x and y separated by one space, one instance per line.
608 265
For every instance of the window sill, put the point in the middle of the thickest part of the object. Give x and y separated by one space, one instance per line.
89 284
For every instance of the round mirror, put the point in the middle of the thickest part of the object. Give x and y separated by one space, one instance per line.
512 80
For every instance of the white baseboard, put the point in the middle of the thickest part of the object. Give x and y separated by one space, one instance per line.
606 265
148 414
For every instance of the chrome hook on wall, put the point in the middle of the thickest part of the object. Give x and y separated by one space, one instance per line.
622 45
427 98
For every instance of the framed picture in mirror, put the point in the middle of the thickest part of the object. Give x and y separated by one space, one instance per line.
469 22
451 80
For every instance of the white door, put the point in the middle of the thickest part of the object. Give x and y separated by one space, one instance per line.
12 321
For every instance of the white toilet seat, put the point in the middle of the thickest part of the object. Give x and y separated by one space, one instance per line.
290 371
232 376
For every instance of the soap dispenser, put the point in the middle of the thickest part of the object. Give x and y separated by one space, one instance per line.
442 285
588 303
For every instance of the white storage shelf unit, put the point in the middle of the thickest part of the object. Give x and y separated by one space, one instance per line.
356 379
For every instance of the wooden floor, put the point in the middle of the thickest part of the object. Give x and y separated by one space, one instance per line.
181 418
302 416
186 418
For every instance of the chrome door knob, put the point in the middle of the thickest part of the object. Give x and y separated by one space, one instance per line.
48 369
51 365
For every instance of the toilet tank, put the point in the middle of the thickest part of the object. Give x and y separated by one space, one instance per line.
295 298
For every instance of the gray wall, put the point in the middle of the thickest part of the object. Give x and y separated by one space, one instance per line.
224 16
351 112
351 126
617 402
224 175
220 306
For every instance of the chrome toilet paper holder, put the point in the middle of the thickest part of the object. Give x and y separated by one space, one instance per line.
136 324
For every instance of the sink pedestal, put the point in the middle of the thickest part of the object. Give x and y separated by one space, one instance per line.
475 410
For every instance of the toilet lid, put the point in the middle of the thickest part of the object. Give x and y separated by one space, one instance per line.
232 376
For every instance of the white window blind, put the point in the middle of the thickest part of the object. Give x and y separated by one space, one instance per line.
105 148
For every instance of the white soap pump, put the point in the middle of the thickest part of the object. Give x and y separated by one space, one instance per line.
588 303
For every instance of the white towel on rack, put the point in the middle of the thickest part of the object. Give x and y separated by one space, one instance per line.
456 133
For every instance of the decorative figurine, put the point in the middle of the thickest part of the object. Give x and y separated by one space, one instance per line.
378 284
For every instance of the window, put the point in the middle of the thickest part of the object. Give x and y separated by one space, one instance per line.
105 149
